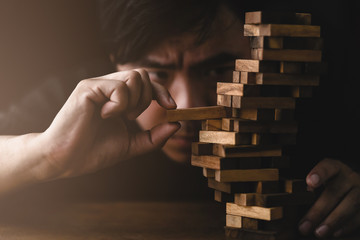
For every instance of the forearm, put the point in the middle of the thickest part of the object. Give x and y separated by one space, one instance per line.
22 161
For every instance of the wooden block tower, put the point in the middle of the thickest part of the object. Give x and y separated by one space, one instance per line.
248 138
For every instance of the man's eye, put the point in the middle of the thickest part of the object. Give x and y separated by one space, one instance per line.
220 73
159 76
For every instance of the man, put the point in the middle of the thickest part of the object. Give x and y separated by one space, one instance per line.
155 46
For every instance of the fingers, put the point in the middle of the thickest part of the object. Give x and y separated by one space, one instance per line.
162 96
140 91
348 207
155 138
338 202
145 95
322 172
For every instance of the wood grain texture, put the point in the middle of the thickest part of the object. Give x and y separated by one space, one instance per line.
263 102
234 187
198 113
286 55
255 212
233 221
283 79
259 17
249 126
226 88
223 100
246 65
274 199
211 125
308 43
250 175
281 30
208 173
219 163
222 137
246 151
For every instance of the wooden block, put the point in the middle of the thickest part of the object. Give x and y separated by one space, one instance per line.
198 148
250 223
236 77
274 139
266 42
294 185
223 197
222 137
249 126
198 113
249 175
263 102
263 187
211 125
224 100
302 92
246 65
219 163
281 30
226 88
253 114
268 214
259 17
244 234
208 173
303 43
233 221
303 67
291 55
274 199
287 43
235 187
244 77
284 79
245 199
284 115
246 151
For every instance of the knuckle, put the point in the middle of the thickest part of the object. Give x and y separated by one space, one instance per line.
134 75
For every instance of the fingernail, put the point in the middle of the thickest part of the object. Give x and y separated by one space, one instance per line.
322 231
305 227
338 233
314 180
171 100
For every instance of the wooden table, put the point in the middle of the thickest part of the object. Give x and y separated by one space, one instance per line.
113 220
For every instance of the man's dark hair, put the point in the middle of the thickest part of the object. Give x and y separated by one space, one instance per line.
130 28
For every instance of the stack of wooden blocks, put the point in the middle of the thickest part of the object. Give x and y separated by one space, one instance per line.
248 138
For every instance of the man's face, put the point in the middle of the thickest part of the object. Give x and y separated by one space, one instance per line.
190 74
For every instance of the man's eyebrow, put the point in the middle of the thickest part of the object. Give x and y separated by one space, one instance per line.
153 64
218 59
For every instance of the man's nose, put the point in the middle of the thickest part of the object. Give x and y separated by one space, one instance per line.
186 92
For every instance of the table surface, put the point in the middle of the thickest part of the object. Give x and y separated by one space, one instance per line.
113 220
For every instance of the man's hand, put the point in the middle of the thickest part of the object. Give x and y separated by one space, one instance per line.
91 130
336 212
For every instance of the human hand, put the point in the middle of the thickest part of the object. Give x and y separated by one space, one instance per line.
336 212
91 130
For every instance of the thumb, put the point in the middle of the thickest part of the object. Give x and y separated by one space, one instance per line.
150 140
